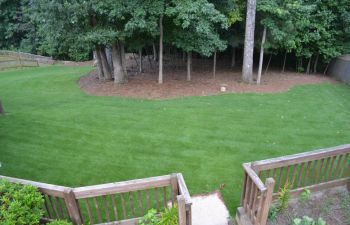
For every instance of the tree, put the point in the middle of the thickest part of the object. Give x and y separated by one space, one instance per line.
195 28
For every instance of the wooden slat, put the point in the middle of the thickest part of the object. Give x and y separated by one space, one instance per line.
115 209
105 205
319 174
300 174
122 187
47 206
60 208
325 171
139 200
307 173
88 209
97 209
157 199
331 169
148 199
164 197
123 205
345 162
53 205
294 175
301 157
131 201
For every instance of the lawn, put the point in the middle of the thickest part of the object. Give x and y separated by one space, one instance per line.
55 133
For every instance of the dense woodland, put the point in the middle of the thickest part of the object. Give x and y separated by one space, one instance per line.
303 35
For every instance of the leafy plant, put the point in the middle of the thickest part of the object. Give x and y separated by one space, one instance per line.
150 218
168 217
283 197
59 222
305 195
273 213
20 204
308 221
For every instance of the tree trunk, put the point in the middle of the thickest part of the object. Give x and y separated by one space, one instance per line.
99 62
109 58
2 111
123 60
284 62
316 62
160 76
233 62
154 52
308 66
119 75
214 65
247 71
189 65
140 64
325 71
261 59
106 68
268 64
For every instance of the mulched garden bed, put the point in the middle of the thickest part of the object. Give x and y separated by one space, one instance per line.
333 206
145 85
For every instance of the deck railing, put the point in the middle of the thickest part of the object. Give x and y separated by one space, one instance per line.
315 170
122 202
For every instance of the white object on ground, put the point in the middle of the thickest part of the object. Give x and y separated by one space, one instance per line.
209 210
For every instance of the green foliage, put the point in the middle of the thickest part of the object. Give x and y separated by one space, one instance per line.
59 222
273 212
305 195
19 204
308 221
167 217
283 197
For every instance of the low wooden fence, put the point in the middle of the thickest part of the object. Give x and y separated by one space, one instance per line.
315 170
114 203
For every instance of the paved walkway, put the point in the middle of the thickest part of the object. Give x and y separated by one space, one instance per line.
209 210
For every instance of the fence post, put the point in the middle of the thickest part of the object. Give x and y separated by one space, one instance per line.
181 209
188 214
174 187
270 184
72 207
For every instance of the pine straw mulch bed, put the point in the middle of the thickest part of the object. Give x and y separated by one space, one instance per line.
145 85
333 206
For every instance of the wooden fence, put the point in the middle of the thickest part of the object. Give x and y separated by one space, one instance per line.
315 170
114 203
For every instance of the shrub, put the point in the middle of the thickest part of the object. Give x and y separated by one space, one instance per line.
59 222
167 217
273 213
283 197
20 204
308 221
305 195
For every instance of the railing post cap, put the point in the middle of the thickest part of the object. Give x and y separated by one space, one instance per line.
270 181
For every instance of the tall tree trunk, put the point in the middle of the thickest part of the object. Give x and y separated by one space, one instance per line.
189 65
233 62
308 66
140 58
119 75
2 111
154 52
261 59
99 62
247 70
122 54
315 64
160 76
268 64
109 58
325 70
284 62
214 65
106 68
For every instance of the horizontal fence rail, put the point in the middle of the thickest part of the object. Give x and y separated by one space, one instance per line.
123 202
316 170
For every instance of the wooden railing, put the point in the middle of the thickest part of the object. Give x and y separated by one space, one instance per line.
122 202
315 170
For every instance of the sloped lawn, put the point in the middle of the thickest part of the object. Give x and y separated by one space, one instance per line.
55 133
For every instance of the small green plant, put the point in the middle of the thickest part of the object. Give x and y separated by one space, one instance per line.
167 217
305 195
20 204
273 213
283 197
308 221
59 222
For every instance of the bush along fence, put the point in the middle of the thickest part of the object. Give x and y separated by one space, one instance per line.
315 170
114 203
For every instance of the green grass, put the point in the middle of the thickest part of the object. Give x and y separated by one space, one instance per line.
55 133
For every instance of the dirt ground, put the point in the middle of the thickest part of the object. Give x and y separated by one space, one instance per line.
144 85
333 206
